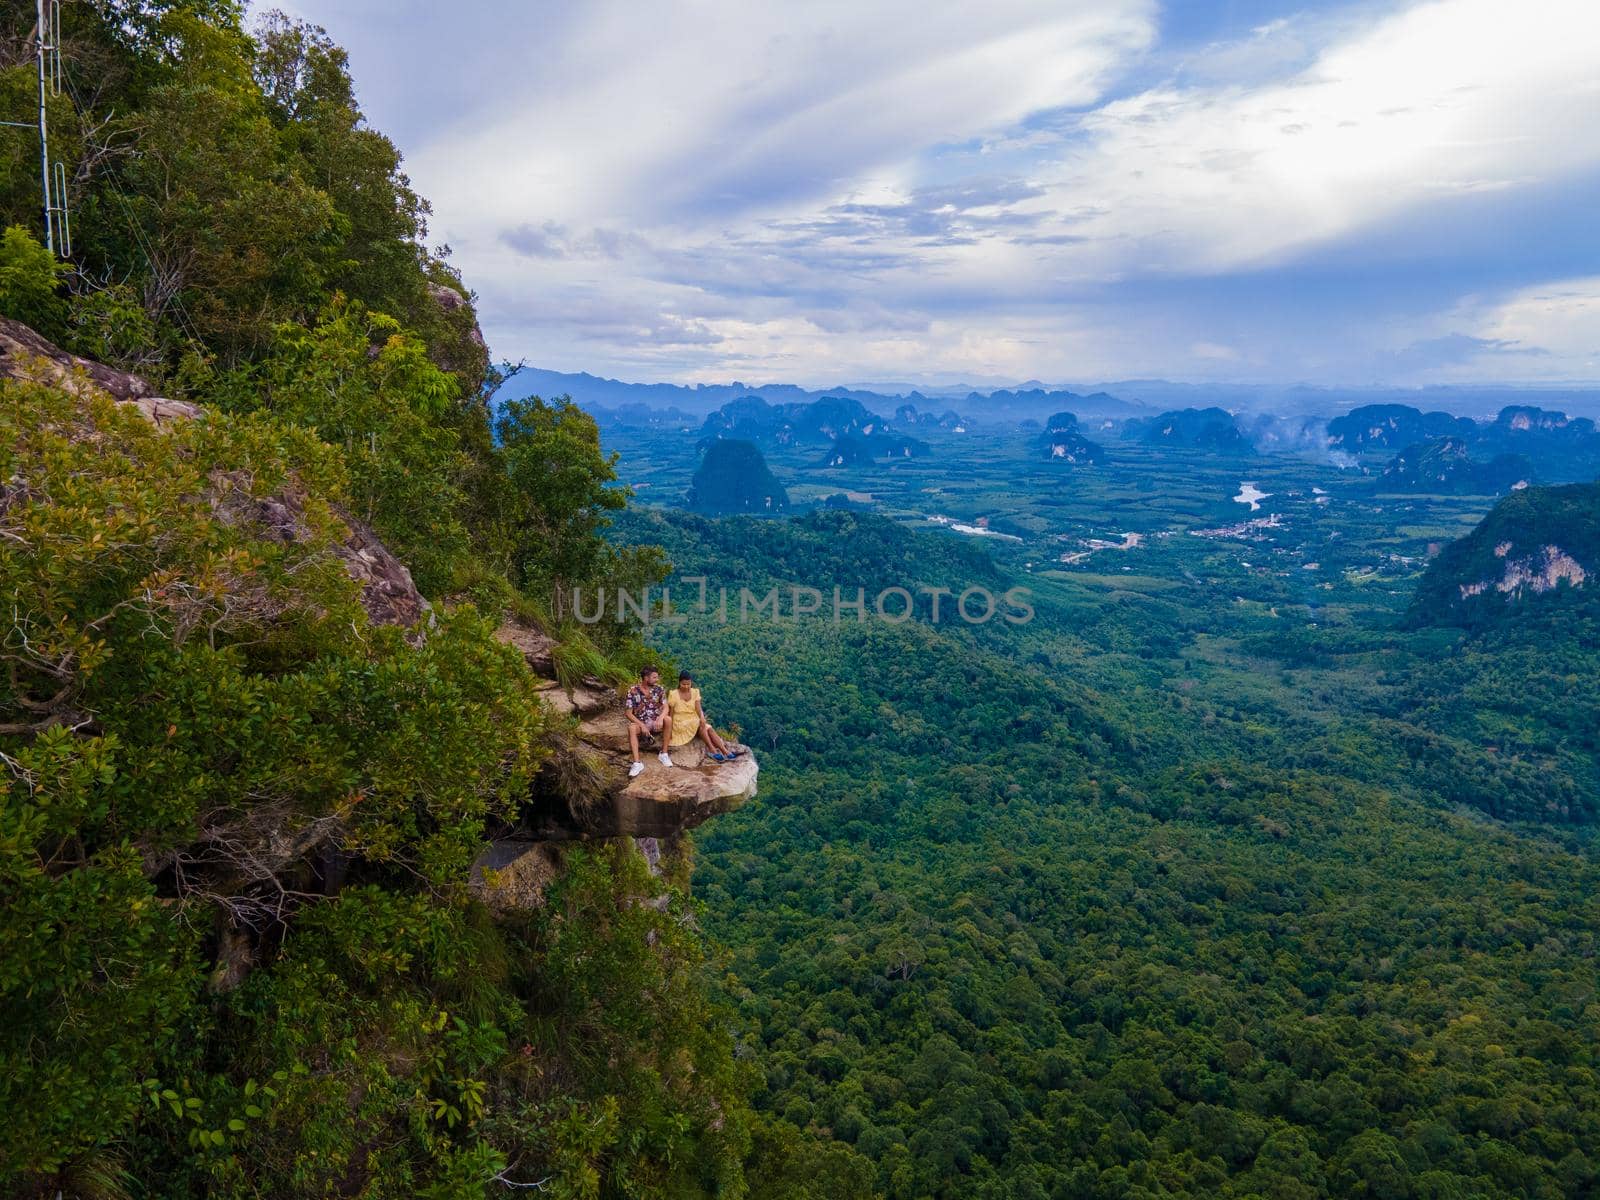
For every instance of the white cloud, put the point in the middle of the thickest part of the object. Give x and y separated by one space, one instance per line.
710 187
1540 333
1449 97
670 112
763 160
1557 325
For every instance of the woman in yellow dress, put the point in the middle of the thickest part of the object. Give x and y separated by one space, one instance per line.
688 721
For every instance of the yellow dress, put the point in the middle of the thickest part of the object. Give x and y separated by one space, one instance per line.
685 720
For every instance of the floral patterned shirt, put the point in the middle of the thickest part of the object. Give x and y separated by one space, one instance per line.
645 703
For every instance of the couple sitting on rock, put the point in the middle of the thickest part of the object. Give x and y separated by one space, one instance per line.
675 715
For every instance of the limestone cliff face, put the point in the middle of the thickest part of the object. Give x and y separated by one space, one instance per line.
1543 570
1539 546
585 794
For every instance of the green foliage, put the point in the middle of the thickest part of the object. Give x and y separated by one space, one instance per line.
228 226
237 819
820 549
212 759
29 282
552 454
173 675
365 385
111 325
1159 895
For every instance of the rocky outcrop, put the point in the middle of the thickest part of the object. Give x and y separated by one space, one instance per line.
387 590
513 874
662 802
26 355
450 300
585 793
464 352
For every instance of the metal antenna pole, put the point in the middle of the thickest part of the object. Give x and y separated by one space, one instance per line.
44 135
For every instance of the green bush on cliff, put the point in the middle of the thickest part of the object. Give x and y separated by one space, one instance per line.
182 690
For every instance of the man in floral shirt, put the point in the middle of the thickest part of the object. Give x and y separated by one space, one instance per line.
646 706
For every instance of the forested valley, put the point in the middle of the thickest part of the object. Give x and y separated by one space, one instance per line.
1101 908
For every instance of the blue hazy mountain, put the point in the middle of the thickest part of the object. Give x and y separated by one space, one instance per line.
1445 465
1119 399
607 396
733 477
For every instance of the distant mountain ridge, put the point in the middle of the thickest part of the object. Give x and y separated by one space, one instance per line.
1522 439
700 400
1118 398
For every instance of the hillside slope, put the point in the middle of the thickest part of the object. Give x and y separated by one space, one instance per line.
1535 553
269 747
238 745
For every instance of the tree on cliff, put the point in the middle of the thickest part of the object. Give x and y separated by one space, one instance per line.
224 182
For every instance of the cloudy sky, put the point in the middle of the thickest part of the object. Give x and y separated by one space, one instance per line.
831 191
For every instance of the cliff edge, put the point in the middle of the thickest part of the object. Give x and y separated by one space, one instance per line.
584 794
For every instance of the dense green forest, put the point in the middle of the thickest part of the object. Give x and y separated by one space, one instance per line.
1067 910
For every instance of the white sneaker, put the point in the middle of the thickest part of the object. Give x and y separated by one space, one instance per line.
635 770
664 759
